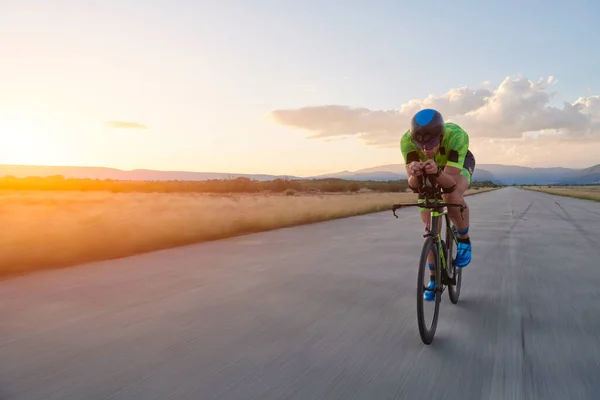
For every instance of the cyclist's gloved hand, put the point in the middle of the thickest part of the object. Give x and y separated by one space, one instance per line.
430 167
416 168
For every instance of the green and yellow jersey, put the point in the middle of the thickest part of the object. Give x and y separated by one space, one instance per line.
452 151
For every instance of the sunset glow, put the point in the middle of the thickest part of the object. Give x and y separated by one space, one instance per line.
290 88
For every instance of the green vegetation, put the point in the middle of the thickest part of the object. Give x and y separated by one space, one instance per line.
585 192
238 185
58 228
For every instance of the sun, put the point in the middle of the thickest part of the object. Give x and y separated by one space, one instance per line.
27 142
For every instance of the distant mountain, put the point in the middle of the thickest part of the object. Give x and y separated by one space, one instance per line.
375 176
22 171
506 174
395 168
363 176
396 171
585 176
382 173
514 174
497 173
484 175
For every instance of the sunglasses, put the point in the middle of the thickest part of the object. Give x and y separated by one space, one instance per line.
430 144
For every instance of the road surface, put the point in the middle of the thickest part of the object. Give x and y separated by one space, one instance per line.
323 311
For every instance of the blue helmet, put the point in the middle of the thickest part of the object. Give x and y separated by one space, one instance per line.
427 127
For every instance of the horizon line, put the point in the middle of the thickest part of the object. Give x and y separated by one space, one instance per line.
258 173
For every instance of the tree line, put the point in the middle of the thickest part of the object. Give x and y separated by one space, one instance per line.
237 185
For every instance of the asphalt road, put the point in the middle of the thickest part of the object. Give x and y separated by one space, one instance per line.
323 311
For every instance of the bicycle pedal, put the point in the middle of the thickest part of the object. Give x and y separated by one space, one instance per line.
447 281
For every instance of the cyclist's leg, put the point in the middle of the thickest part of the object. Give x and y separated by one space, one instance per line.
463 256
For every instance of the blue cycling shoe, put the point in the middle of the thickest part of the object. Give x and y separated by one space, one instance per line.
463 254
429 295
463 249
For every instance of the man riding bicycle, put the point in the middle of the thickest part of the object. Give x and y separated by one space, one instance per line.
434 147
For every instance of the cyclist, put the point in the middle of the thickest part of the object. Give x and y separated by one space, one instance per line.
434 147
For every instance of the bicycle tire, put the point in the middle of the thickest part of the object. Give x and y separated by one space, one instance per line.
453 290
427 335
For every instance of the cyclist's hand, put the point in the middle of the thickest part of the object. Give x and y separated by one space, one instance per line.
416 168
430 167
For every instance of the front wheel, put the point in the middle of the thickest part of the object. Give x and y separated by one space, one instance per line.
454 272
427 334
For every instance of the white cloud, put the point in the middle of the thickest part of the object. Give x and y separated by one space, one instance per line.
512 110
125 125
518 106
309 88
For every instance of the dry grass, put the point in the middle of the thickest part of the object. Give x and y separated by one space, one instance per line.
578 192
55 229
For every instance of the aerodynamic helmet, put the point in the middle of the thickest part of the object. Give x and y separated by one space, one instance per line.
427 128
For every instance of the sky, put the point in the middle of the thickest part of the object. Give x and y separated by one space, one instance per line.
294 87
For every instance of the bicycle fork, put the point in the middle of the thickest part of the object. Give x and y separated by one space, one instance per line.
441 261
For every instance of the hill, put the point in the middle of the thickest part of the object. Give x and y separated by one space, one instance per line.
396 171
481 175
585 176
515 174
371 174
501 174
496 173
23 171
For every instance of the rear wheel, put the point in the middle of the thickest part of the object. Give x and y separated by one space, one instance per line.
426 331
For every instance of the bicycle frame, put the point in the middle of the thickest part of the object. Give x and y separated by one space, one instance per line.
432 200
437 237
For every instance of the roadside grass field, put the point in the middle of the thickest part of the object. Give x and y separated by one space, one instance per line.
51 229
578 192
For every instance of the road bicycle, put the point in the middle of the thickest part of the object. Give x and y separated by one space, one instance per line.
446 272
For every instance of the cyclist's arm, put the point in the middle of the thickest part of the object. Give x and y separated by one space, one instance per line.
458 147
410 154
448 177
